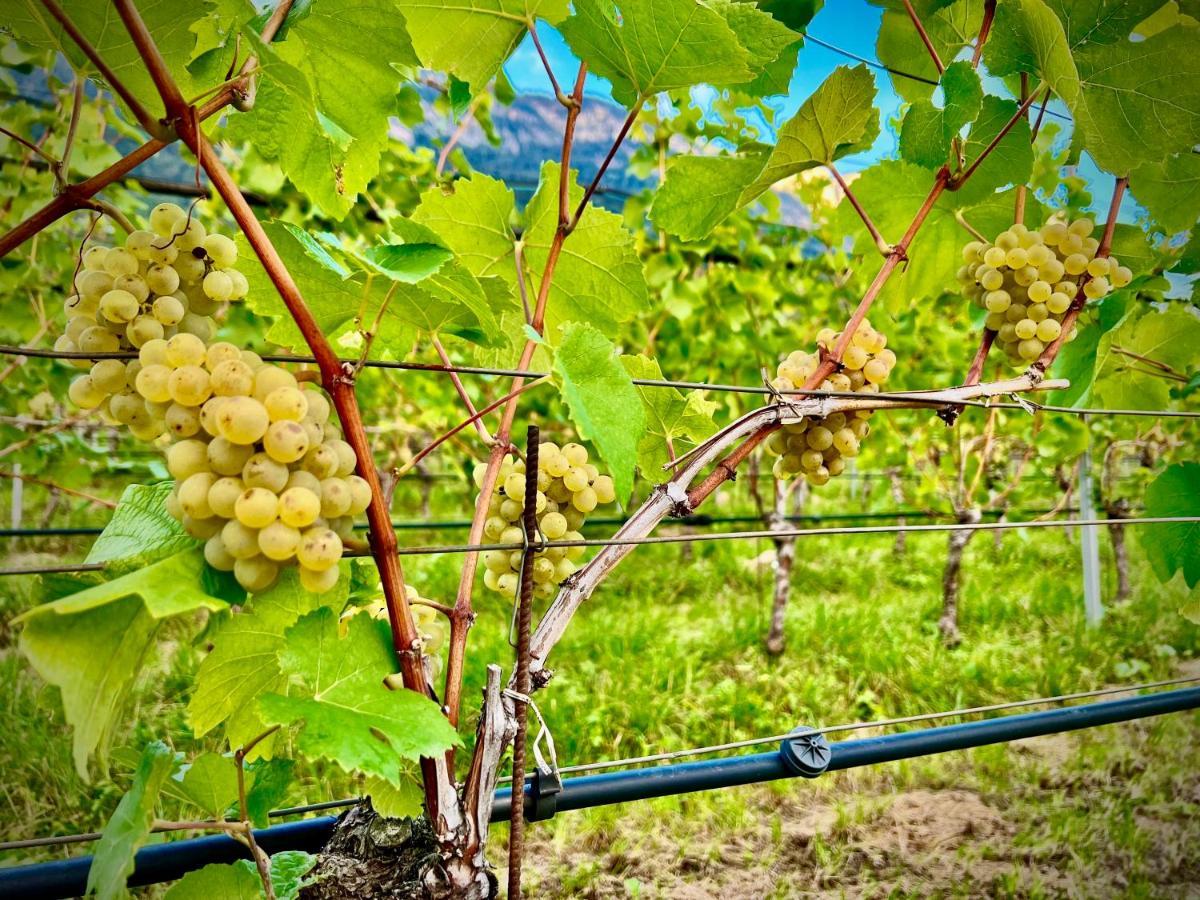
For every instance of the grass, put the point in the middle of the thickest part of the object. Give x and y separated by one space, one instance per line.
668 655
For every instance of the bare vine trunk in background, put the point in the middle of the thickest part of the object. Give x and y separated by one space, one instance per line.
951 576
785 557
1119 510
896 482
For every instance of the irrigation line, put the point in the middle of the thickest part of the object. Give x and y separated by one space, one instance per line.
86 837
719 536
886 396
858 726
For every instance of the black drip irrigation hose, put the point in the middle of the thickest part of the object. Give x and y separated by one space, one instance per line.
803 756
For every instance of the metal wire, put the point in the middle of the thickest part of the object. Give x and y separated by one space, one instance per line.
720 536
858 726
886 396
86 837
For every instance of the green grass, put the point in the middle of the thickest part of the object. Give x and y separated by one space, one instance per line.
668 654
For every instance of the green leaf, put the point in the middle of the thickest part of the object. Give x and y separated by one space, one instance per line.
1140 100
244 662
409 263
1088 22
395 801
141 531
673 420
769 43
288 871
1009 163
1174 547
335 687
647 46
270 780
91 644
1131 390
472 216
236 881
927 131
1076 362
839 118
900 47
210 783
1170 190
168 23
1171 337
1028 37
130 824
471 38
603 402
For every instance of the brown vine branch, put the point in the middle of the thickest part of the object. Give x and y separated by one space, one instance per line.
459 131
957 181
1042 364
562 98
916 20
54 486
985 28
32 147
62 169
462 392
884 247
608 158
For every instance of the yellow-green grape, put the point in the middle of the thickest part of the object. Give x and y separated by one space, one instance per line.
240 285
189 385
186 458
256 573
514 487
319 581
223 496
201 327
553 525
318 406
108 375
558 466
232 378
1025 329
217 556
131 284
241 542
576 454
347 461
576 479
1030 349
242 420
261 471
218 286
119 306
226 457
493 526
564 569
193 495
299 507
256 507
278 541
220 352
202 529
85 393
221 250
1048 330
182 421
321 461
320 548
360 494
335 497
1121 276
162 279
186 350
1096 288
496 561
93 258
168 310
143 329
98 340
584 500
286 404
166 219
189 268
285 441
876 371
127 408
153 353
119 261
1058 303
270 378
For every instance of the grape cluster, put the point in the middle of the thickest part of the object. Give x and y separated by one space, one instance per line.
819 446
430 625
568 488
261 473
1027 280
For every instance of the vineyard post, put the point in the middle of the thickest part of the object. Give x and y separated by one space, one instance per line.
1089 548
338 379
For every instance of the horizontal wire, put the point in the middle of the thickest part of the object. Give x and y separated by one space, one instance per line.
719 536
858 726
886 396
58 840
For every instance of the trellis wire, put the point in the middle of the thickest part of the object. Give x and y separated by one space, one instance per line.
719 536
886 396
86 837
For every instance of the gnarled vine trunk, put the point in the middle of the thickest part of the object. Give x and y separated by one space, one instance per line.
1116 533
785 557
951 576
897 489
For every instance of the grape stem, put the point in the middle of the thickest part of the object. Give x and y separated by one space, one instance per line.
916 20
74 197
884 247
985 28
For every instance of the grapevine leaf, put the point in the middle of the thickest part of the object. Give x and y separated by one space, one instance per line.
141 531
673 420
395 801
771 45
409 263
647 46
472 215
1131 390
839 118
1141 100
795 14
210 783
289 869
471 39
927 130
168 23
270 780
603 402
244 661
1010 162
1189 260
335 687
1171 337
900 47
1176 546
130 824
1076 362
1170 190
1089 22
91 644
1028 37
218 881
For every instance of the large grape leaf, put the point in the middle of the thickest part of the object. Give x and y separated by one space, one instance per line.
471 38
1171 337
647 46
772 46
1028 37
169 23
141 531
336 689
1090 22
900 47
209 783
839 118
244 661
130 824
598 277
1174 547
1009 162
928 130
91 644
675 422
240 881
1170 190
603 402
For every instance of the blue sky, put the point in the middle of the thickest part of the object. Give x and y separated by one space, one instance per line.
852 25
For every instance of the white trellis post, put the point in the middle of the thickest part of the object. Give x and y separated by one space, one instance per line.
17 513
1093 604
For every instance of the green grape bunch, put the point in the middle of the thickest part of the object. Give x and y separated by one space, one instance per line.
568 488
262 475
818 446
1027 280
